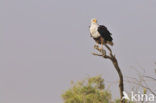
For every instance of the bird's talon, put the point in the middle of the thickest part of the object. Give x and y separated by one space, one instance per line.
96 46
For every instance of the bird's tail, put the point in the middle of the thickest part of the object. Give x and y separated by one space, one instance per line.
110 43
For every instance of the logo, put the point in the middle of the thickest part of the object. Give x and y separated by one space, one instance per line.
138 97
125 96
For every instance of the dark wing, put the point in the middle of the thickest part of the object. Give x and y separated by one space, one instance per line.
105 33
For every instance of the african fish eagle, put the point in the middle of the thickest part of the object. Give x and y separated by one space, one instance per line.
100 33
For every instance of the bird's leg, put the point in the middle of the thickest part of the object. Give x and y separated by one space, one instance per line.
97 43
102 43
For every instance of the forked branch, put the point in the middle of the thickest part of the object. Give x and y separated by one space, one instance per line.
113 59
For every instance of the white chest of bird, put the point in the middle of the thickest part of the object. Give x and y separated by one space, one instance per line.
93 31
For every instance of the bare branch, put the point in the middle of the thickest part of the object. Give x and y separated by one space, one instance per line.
150 78
140 84
115 63
97 54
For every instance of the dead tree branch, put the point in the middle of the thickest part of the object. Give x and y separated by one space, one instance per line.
140 84
141 81
115 63
150 78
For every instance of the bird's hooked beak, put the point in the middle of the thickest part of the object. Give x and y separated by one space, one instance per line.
94 20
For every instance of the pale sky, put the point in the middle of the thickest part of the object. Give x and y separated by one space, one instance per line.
46 43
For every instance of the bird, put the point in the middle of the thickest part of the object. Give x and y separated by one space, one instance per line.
100 33
125 96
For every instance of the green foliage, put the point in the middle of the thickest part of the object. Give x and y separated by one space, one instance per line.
126 101
91 90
